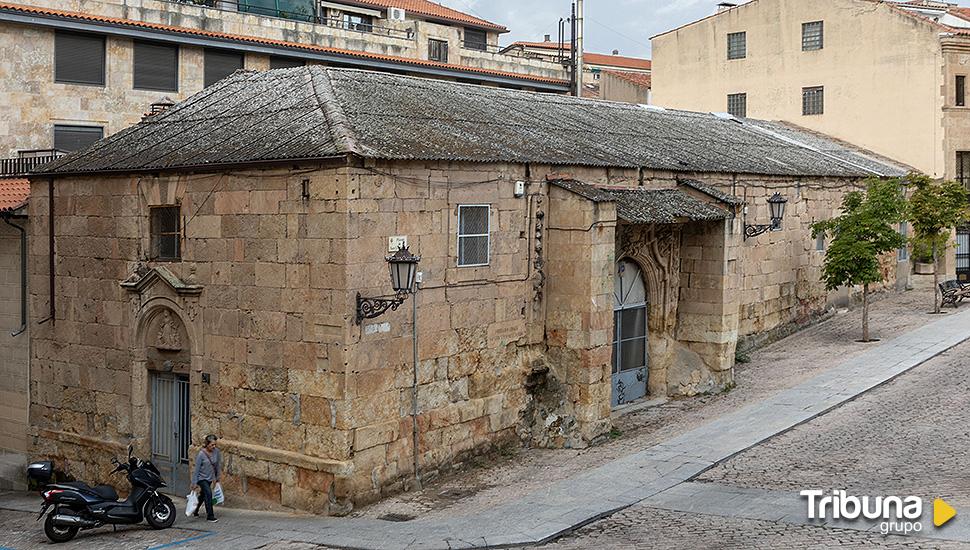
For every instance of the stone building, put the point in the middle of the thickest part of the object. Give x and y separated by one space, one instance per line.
888 76
575 255
74 72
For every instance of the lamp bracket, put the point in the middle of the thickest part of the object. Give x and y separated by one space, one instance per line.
754 230
369 308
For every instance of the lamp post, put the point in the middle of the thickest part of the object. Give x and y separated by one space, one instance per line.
776 208
403 267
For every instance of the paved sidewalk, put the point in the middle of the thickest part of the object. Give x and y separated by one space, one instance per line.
581 499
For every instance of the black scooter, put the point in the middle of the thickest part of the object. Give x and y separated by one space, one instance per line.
76 505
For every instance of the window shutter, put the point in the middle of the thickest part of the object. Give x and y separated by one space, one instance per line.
79 58
220 64
156 67
276 62
75 138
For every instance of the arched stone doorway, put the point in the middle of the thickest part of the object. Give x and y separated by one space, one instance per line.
168 361
630 326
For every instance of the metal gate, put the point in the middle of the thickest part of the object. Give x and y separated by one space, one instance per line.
963 254
629 334
171 432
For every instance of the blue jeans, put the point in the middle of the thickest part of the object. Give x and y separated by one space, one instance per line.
206 498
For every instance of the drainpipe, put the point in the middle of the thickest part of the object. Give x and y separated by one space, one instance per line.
50 246
23 275
579 48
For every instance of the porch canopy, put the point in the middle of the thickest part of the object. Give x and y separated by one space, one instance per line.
661 206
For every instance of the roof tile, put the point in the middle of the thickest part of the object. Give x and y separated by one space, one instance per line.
14 193
433 10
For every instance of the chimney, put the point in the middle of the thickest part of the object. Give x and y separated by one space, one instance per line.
547 38
158 107
616 52
724 6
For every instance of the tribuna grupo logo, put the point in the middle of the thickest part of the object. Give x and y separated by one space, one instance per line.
898 514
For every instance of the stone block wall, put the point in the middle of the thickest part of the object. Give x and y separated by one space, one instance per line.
13 361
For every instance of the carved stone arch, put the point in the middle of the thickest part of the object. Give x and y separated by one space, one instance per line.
162 326
656 249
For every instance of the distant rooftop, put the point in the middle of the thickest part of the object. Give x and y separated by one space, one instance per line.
317 113
431 10
617 60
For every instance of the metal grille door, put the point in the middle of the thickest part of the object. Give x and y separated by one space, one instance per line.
629 334
171 429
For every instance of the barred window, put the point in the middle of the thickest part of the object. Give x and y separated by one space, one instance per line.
963 168
737 105
813 100
476 39
961 91
166 234
473 239
820 242
737 45
812 36
438 50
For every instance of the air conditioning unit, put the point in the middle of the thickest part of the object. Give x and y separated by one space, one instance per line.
395 14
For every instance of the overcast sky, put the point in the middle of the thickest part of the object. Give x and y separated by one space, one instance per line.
624 25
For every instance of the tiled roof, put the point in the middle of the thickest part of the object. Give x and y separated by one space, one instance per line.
432 10
14 193
317 112
640 79
637 205
710 191
623 61
69 15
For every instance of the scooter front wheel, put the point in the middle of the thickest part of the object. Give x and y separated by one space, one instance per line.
160 512
58 533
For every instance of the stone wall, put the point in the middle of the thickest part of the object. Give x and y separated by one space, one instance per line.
316 411
13 361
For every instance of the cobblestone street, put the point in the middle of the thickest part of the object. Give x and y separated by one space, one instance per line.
907 437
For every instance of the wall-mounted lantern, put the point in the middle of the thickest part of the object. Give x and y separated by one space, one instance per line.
776 207
403 267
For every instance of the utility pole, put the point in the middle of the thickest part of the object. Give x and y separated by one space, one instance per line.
578 48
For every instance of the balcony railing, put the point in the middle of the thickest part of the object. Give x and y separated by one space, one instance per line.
299 13
23 165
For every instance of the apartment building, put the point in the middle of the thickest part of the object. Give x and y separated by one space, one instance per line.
613 77
888 76
76 72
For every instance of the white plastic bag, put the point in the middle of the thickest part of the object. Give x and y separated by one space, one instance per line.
191 503
218 497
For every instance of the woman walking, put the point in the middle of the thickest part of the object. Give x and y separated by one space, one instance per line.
207 472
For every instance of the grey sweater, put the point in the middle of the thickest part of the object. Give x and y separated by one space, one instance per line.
207 467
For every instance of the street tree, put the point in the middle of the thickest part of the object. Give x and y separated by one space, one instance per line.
863 231
935 209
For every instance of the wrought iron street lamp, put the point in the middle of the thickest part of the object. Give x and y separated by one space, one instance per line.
776 208
403 267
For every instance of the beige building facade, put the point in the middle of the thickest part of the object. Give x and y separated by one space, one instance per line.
532 253
886 76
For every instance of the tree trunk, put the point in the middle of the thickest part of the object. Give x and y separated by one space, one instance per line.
865 312
936 281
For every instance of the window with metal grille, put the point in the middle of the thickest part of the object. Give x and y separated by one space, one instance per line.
820 242
277 62
79 58
156 66
74 138
737 105
812 36
813 100
961 91
473 239
737 45
166 233
438 50
963 168
476 39
220 64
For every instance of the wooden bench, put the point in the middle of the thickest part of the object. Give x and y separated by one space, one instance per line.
954 292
